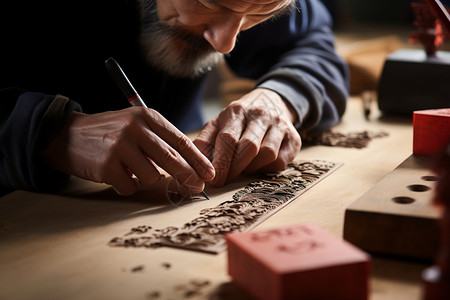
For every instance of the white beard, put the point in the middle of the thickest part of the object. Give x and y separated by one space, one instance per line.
171 49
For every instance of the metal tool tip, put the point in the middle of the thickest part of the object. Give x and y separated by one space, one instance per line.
204 195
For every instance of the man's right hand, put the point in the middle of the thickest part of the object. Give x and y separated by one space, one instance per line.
110 147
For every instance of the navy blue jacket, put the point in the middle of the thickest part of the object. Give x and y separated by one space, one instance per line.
51 48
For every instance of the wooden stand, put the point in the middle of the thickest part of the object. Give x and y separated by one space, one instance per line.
396 216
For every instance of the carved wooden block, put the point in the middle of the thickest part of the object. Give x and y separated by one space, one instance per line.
297 262
248 207
396 216
431 130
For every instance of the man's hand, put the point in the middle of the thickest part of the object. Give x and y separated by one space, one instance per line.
110 147
254 133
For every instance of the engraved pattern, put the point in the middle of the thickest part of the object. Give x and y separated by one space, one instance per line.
249 207
357 140
274 238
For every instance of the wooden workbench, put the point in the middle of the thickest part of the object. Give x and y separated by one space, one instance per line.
56 246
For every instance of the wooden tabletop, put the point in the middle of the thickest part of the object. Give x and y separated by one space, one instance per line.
55 246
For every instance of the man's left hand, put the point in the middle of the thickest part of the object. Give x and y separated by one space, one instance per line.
252 134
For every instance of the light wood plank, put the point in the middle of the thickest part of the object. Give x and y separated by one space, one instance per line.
56 246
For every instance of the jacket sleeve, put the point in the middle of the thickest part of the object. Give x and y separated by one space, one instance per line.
28 121
294 56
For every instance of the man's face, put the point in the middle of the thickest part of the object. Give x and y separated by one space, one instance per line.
187 37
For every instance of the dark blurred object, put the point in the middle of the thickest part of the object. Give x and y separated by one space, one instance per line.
381 11
331 5
412 81
437 277
417 79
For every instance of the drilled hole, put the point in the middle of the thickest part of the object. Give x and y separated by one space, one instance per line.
418 188
430 178
403 200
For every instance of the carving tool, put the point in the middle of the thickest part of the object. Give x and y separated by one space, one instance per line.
127 88
367 103
124 84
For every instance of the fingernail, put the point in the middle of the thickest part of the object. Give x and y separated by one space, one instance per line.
210 173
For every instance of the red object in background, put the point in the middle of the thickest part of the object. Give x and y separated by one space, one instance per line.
433 22
297 262
429 32
441 13
431 131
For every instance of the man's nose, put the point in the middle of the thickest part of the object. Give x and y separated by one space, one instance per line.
222 32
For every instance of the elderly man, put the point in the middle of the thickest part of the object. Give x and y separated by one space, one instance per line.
62 114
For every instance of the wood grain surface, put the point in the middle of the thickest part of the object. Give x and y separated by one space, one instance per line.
397 215
55 246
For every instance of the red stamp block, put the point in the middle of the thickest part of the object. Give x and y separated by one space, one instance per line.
431 130
298 262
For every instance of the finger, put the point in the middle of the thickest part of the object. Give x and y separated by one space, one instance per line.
269 150
225 147
248 147
206 139
289 149
127 154
121 181
171 161
180 145
139 165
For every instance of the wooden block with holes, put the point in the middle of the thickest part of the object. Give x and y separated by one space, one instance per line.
396 216
297 262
